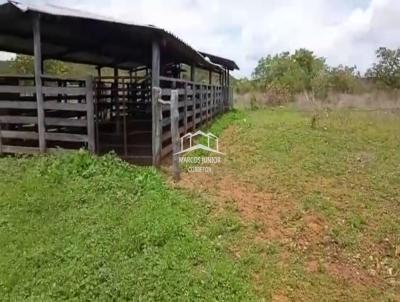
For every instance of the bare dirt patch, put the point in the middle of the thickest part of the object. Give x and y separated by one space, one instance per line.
279 221
254 206
350 273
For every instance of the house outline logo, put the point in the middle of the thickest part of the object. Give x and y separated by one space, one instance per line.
189 136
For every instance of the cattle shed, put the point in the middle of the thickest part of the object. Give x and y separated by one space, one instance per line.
121 113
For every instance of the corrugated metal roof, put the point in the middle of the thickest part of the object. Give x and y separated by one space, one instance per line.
119 34
231 65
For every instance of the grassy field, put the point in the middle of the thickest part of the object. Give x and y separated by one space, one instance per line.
292 214
319 208
78 228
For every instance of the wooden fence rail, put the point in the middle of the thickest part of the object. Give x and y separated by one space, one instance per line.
102 115
67 114
198 104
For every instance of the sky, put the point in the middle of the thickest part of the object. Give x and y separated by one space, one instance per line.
343 31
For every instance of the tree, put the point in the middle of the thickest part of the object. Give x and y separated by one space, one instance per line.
344 79
387 70
23 64
293 73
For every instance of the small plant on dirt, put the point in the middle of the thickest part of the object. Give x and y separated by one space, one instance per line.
314 120
253 102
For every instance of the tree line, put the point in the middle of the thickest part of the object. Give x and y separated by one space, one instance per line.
287 74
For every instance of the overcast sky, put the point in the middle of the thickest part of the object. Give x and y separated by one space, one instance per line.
343 31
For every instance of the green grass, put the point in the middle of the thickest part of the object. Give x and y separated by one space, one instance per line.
347 171
75 227
349 167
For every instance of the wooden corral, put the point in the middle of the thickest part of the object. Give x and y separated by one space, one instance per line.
119 113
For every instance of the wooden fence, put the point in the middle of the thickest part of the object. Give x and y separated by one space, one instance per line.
120 119
198 105
66 113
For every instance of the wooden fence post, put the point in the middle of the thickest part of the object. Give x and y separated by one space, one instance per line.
124 113
213 101
90 115
185 118
37 50
156 108
194 98
1 142
157 127
201 104
116 101
207 104
175 133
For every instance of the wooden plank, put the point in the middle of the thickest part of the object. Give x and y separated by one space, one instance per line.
90 115
207 104
124 113
17 105
58 78
1 140
175 134
71 91
185 108
64 97
168 79
19 134
55 121
156 108
167 135
167 91
166 150
212 101
201 103
65 106
98 82
228 84
17 89
166 107
37 50
115 95
66 137
194 98
16 119
18 76
19 149
167 120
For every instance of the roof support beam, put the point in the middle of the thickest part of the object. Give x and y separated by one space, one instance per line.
156 107
116 100
38 63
